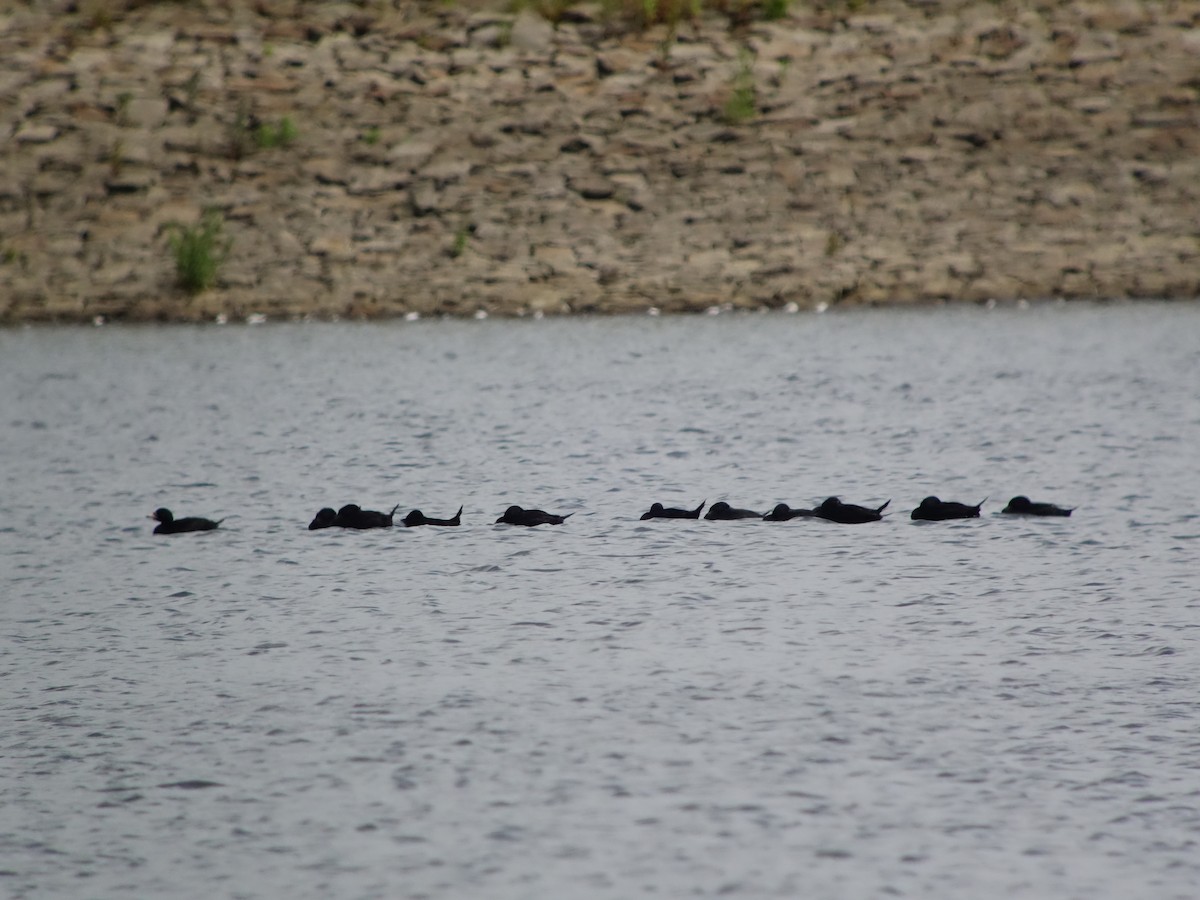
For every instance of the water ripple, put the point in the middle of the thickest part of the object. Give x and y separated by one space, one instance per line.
609 708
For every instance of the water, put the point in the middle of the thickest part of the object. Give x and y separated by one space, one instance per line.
990 708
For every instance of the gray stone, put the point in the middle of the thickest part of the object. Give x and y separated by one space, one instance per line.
36 134
411 155
531 33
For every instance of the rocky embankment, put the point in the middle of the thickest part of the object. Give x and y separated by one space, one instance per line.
451 160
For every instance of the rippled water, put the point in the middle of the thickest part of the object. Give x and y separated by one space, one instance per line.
992 708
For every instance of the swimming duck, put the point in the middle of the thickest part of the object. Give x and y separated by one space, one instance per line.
1023 506
515 515
168 524
722 511
782 513
353 516
416 517
658 511
934 510
835 510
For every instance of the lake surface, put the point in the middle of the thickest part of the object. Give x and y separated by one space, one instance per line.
998 707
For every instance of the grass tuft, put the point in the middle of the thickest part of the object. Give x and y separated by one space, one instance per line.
246 133
199 251
281 134
460 241
742 105
773 10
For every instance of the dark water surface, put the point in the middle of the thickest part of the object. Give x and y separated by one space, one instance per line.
1000 707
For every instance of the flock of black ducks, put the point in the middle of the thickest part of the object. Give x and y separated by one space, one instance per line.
353 516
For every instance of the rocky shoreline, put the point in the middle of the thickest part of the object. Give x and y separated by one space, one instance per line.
379 159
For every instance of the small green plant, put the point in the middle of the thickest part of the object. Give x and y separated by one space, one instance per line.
834 243
282 134
742 104
247 134
643 14
504 38
460 241
199 251
775 9
371 136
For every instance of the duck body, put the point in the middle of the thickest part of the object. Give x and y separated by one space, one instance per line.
353 516
934 510
168 524
723 512
1023 506
416 517
783 513
658 511
515 515
834 510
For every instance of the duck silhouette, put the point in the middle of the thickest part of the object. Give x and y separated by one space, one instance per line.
1023 506
934 510
834 510
658 511
353 516
168 524
515 515
782 513
722 511
416 517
